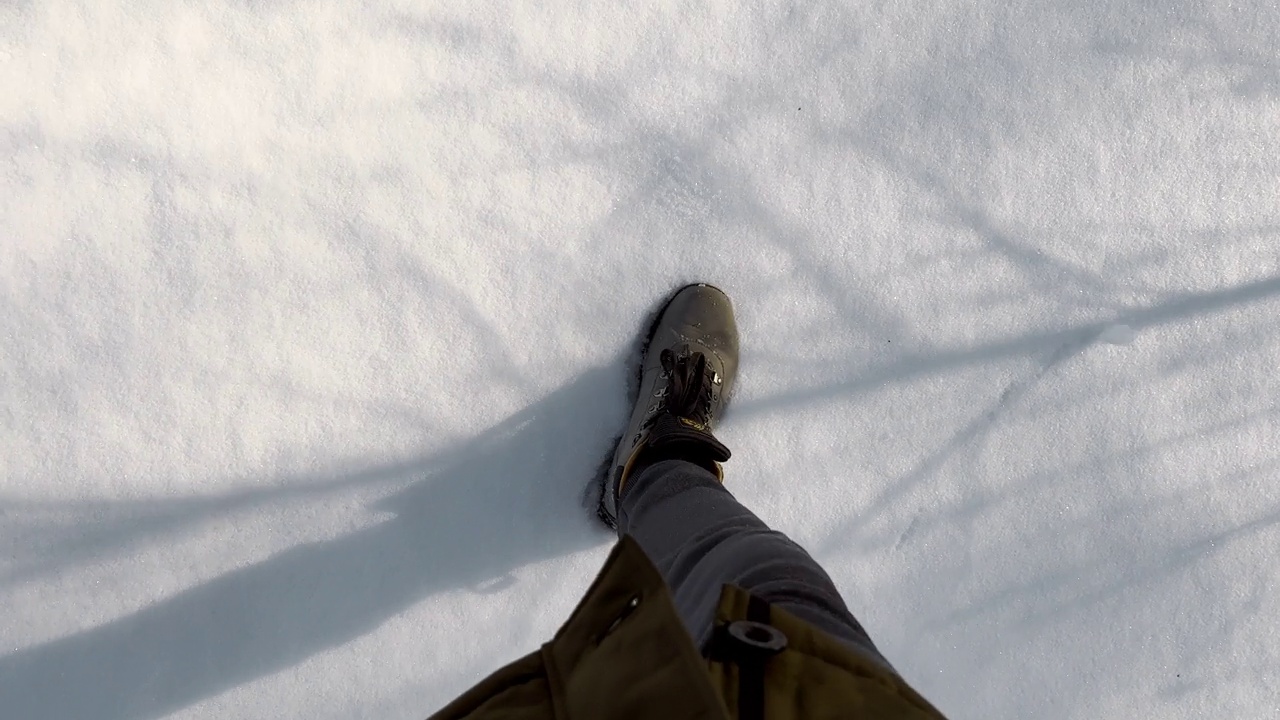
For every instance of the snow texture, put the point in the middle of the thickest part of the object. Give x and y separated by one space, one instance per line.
317 316
1118 334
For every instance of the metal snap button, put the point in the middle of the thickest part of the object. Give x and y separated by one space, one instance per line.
757 638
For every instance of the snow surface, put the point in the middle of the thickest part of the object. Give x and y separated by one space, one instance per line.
316 316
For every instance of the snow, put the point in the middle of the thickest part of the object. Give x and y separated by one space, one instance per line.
1118 334
317 316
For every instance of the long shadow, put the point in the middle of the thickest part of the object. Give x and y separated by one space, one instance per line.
510 497
1062 589
900 370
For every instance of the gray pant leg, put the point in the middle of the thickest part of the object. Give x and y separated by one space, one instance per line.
701 538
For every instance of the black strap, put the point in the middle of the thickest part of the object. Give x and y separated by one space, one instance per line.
751 671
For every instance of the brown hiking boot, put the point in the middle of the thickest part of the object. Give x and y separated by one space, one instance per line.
686 376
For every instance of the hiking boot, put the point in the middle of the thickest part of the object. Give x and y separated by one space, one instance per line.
686 376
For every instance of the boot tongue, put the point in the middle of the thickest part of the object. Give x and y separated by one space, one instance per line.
689 391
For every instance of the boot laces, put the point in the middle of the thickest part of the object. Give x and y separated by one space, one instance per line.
690 384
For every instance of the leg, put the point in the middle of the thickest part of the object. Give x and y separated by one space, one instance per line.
701 537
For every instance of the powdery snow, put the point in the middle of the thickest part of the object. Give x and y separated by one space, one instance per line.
317 316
